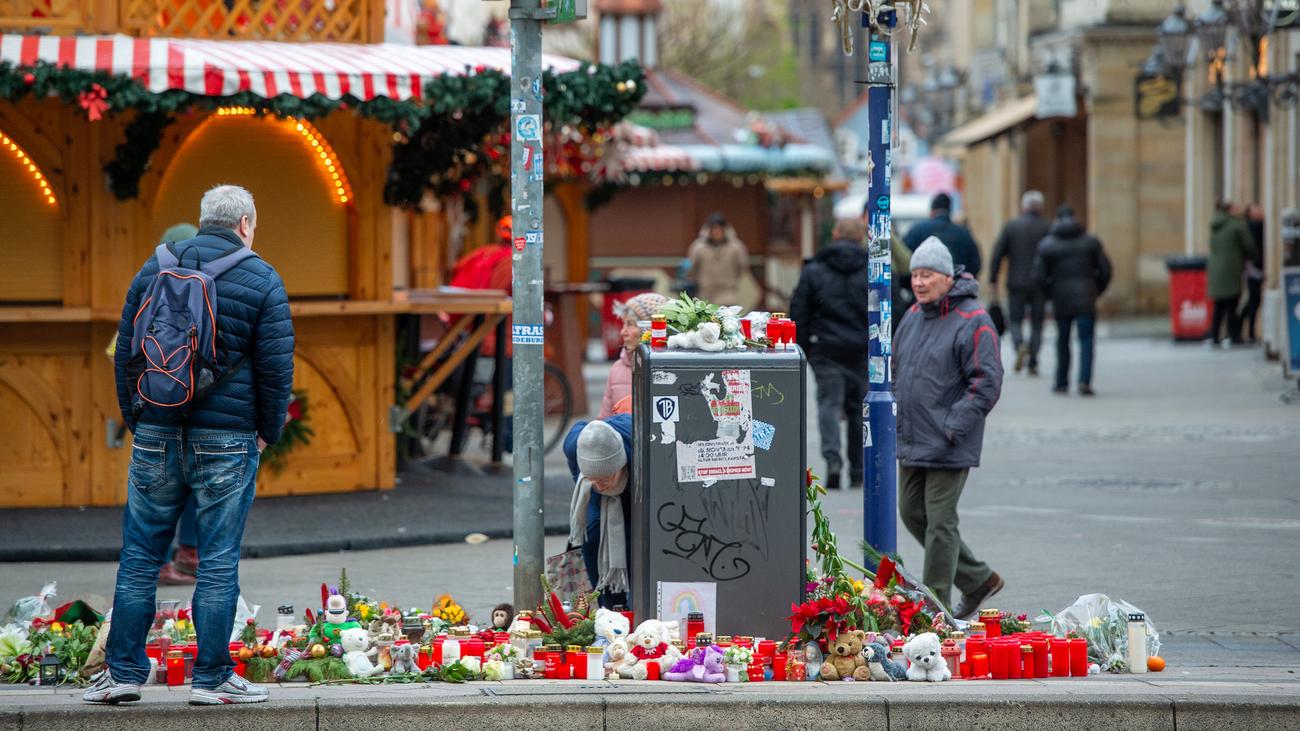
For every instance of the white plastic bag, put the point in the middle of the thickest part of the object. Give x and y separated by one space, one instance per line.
243 613
1104 623
30 607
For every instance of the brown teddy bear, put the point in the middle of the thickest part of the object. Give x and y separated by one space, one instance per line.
845 660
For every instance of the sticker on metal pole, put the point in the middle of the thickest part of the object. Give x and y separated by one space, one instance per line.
528 128
527 335
665 409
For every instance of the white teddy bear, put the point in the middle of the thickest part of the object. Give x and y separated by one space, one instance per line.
924 652
706 337
651 642
612 629
356 656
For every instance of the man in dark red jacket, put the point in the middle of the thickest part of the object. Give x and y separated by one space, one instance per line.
947 378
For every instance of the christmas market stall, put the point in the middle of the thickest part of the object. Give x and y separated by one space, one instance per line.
355 155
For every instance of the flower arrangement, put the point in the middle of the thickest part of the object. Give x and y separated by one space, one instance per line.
447 613
506 653
297 432
1014 624
738 655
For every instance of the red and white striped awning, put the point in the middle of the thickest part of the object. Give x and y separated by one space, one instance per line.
265 68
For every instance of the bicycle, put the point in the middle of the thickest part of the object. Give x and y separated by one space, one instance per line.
438 412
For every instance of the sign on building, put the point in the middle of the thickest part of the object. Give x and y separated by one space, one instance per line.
1055 95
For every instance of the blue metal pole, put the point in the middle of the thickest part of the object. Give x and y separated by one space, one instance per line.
879 410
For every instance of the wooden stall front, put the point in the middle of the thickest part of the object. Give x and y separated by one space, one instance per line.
70 248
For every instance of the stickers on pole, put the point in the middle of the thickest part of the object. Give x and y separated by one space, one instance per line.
528 128
764 433
730 454
665 409
876 369
527 334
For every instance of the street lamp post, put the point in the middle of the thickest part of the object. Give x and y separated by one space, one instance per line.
879 410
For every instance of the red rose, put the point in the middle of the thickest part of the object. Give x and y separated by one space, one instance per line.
295 411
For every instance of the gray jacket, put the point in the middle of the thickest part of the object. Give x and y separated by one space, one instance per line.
947 378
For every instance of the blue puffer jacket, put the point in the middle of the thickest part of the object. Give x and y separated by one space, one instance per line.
252 319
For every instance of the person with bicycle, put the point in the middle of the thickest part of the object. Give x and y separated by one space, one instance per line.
618 388
600 460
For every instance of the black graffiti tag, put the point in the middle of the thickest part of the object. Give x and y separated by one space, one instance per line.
719 559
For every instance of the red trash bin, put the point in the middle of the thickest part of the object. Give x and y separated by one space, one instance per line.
1189 308
620 290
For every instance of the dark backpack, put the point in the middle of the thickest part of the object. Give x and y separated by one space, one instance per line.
173 362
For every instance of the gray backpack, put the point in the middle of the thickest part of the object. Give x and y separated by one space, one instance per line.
173 362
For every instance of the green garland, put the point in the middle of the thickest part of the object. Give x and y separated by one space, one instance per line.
444 138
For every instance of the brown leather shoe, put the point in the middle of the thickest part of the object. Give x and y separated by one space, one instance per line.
971 604
170 576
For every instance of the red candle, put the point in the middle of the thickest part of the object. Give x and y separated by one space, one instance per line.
1060 657
756 671
652 671
631 618
974 646
979 665
473 647
767 648
992 620
790 333
747 329
1001 661
1027 661
576 659
694 625
437 649
1079 657
964 668
175 668
499 638
424 658
556 667
778 666
1013 658
1040 657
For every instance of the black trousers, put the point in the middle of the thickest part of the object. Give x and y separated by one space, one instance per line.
1249 310
1035 301
1225 313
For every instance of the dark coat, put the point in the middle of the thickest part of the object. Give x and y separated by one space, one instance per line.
830 303
965 252
1231 246
1018 243
252 319
1072 268
947 378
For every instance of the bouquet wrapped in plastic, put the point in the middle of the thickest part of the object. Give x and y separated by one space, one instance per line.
1104 623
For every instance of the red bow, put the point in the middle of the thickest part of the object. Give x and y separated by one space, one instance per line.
94 102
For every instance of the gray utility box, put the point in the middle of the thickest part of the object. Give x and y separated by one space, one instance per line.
718 497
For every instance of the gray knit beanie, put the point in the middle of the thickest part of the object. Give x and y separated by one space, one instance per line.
600 450
933 254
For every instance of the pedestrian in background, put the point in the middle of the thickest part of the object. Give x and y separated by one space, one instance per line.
1018 244
1073 269
947 378
830 305
1254 272
618 387
1230 248
719 262
210 450
958 239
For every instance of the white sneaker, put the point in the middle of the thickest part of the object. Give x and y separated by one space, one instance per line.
106 690
234 690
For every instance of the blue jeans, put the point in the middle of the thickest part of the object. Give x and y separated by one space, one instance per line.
168 465
1087 325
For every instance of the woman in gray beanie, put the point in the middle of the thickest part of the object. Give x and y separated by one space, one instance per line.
600 460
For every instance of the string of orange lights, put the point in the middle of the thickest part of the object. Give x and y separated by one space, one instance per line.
31 168
326 157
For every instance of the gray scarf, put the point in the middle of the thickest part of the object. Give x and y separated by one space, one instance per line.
611 558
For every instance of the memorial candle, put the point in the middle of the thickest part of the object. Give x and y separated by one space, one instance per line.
1027 669
1060 657
1040 657
1079 657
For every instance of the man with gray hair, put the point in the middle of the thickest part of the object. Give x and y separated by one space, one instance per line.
1018 244
201 413
830 305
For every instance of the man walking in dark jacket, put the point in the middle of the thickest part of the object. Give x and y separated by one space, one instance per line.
830 305
947 378
210 450
965 252
1018 243
1073 269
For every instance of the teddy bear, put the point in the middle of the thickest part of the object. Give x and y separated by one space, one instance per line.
356 655
846 659
927 661
706 337
701 665
875 664
612 629
650 643
404 659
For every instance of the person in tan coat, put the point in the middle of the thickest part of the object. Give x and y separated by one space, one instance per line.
719 262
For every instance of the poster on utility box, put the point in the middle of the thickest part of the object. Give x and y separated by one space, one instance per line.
727 453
